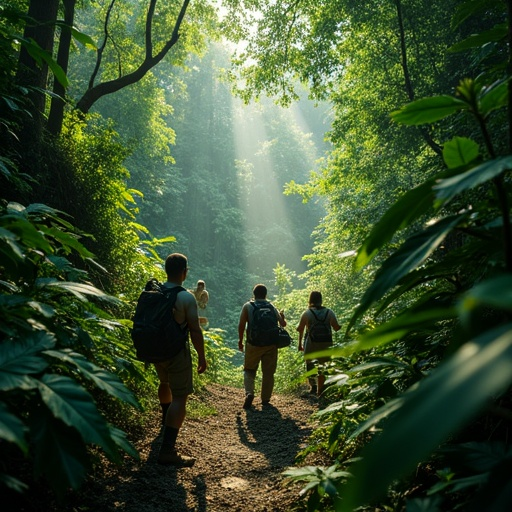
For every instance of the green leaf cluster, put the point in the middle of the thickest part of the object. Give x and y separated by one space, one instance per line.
52 323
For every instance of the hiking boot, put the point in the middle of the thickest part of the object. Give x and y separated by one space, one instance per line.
248 401
173 458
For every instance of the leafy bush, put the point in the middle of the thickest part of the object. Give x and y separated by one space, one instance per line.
58 349
432 383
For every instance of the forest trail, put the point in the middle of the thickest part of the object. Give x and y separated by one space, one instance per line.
240 457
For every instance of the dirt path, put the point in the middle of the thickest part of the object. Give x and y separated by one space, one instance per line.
240 456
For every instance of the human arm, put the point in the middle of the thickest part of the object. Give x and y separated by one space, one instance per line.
280 318
300 329
333 321
189 305
244 318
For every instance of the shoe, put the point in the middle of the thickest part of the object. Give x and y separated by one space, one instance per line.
173 458
248 401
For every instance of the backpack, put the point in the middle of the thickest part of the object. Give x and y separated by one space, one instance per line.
320 330
263 325
156 335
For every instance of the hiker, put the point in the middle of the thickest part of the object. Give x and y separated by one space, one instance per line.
318 321
201 294
175 375
266 349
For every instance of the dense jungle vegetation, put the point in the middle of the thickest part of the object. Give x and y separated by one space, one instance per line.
363 149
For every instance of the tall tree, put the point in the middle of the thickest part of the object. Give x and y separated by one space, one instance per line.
159 38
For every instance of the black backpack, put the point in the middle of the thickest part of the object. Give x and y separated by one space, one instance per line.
320 330
263 325
156 335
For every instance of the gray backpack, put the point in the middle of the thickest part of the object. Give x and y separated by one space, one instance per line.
320 330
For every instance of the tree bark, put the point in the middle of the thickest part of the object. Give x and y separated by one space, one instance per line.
32 75
56 116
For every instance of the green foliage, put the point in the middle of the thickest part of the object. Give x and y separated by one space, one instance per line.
51 317
427 319
424 417
320 482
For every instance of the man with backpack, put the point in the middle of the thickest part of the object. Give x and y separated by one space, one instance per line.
261 319
175 374
318 321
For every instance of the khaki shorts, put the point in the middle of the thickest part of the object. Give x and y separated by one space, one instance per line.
177 372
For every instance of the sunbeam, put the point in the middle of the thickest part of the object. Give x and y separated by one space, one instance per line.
271 150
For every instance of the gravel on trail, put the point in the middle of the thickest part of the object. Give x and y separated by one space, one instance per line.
240 454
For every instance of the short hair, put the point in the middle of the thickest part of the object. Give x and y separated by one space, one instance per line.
260 291
175 264
200 282
315 298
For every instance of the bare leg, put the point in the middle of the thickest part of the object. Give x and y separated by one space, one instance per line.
164 393
176 412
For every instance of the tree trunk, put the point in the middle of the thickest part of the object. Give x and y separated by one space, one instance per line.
56 116
32 75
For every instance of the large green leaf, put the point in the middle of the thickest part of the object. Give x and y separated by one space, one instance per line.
71 403
68 241
378 362
26 232
79 290
469 8
399 326
411 254
83 38
12 429
59 453
497 33
407 209
120 439
103 379
447 188
441 271
40 55
428 110
495 293
41 212
21 358
494 97
430 411
460 151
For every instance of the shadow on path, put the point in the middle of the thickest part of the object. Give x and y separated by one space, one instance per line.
276 437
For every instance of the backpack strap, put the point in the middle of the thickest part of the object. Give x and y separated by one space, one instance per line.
168 291
319 319
267 303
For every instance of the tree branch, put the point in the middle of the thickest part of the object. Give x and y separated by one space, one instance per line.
96 92
102 47
408 83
